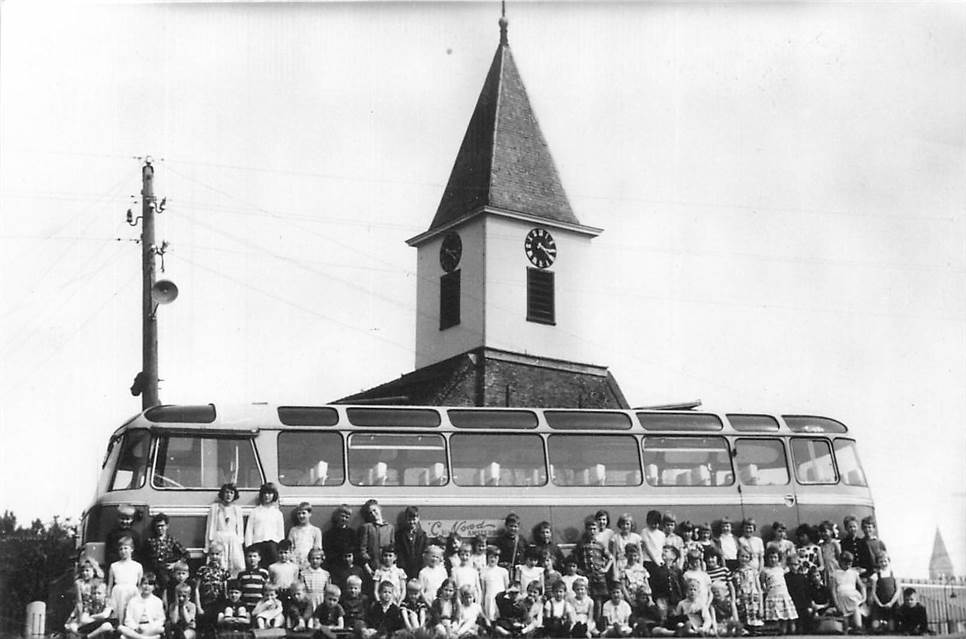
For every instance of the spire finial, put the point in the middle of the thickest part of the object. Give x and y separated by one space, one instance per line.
503 23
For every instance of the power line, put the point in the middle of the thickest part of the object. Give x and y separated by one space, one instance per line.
273 295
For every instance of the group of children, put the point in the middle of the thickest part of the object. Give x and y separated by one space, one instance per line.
378 582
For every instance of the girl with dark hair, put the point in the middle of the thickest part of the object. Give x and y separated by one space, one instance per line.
266 526
225 527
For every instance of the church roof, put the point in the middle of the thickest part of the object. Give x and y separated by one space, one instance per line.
503 162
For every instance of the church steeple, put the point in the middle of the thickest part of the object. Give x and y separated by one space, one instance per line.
499 272
504 164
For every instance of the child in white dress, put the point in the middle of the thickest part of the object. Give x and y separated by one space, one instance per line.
123 577
225 527
495 580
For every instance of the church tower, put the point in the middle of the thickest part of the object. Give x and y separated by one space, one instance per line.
501 262
499 272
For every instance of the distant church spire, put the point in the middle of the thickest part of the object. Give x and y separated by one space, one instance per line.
940 565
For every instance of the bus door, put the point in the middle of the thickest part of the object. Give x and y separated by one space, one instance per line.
766 491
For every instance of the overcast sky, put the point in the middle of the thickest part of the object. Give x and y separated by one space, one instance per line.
781 188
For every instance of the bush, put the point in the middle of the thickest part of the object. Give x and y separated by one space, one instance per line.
30 559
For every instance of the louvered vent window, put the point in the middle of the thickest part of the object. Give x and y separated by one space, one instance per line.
540 296
449 300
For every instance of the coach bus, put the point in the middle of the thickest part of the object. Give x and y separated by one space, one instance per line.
466 468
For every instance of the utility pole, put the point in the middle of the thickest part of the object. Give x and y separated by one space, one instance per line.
149 327
153 293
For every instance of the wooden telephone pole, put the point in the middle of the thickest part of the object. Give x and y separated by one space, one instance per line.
153 292
149 326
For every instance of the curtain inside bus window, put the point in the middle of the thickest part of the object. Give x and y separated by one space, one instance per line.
132 462
813 461
307 458
498 460
186 461
377 459
850 468
594 460
687 461
761 462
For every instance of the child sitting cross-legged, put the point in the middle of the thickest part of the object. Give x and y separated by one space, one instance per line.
558 613
443 610
144 615
329 617
414 609
584 624
298 608
693 614
182 614
354 603
269 613
724 609
383 618
93 616
234 614
615 615
511 612
469 620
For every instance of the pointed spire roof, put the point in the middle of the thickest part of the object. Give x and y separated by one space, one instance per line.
940 565
504 164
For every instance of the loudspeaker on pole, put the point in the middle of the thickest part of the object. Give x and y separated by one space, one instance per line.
164 292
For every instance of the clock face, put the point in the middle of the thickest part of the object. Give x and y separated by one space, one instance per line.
540 248
450 251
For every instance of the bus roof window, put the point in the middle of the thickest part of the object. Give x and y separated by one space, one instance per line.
462 418
680 421
308 415
204 414
393 417
811 424
757 423
575 419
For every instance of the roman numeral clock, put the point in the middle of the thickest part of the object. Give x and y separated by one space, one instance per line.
540 248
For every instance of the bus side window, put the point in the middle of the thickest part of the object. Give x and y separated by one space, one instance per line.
761 462
813 461
687 461
391 459
310 458
498 460
594 460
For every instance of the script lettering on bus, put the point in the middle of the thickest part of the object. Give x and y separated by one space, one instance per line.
465 527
